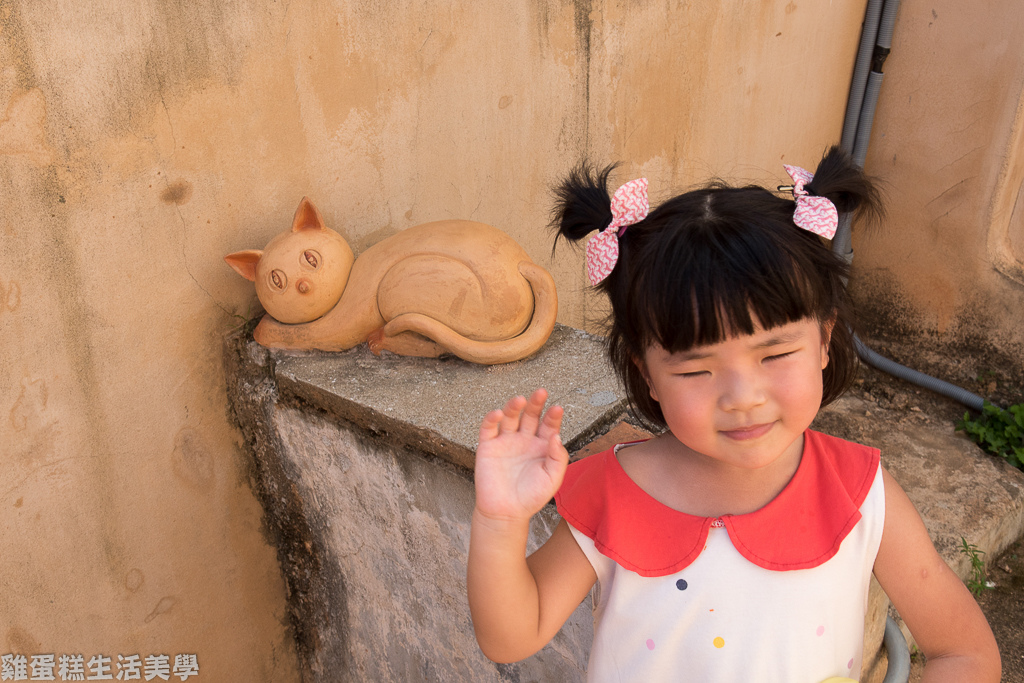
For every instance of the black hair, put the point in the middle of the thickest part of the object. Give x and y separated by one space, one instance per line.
718 261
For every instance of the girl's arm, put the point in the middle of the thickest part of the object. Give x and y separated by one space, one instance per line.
518 604
947 623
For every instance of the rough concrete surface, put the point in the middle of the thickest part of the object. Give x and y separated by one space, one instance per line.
373 532
1003 604
435 405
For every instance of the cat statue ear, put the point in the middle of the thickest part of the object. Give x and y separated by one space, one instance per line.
307 217
244 262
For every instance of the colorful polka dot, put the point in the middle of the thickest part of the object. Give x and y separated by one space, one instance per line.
821 630
650 644
681 584
719 642
849 664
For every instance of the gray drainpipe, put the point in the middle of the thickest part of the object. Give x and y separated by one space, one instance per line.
875 44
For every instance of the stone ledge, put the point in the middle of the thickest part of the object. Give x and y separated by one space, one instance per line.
361 466
435 405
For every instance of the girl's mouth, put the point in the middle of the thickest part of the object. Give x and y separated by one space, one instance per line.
747 433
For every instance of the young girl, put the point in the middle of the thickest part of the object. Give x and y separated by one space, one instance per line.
737 545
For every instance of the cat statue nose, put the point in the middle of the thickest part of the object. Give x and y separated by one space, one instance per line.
303 286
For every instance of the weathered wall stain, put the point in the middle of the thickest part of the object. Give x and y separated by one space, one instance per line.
75 331
84 80
23 128
1015 229
177 192
17 46
191 460
134 580
20 640
165 605
10 300
353 78
29 406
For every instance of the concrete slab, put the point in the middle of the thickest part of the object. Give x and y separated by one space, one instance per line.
435 405
372 532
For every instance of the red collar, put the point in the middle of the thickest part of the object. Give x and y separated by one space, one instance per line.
800 528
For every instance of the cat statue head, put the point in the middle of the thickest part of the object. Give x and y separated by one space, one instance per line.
300 275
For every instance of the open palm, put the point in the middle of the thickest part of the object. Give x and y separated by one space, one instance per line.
520 461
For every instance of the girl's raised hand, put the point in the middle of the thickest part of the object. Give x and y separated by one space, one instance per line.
520 461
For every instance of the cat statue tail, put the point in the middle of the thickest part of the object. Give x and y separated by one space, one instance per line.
545 308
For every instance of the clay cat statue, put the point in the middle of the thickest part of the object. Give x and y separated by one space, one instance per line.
449 286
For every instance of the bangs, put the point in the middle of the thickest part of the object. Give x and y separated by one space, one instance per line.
737 280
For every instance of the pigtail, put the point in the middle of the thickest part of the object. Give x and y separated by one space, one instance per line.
583 205
843 182
582 202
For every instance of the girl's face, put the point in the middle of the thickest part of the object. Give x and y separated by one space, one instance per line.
746 400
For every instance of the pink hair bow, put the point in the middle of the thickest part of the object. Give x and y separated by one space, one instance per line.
629 206
817 214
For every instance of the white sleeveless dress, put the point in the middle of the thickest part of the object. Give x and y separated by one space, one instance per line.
776 595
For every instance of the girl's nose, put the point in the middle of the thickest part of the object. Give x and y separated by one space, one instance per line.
741 391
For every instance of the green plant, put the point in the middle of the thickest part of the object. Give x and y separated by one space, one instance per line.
244 319
998 431
977 582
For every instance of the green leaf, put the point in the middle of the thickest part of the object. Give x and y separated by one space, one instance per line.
998 431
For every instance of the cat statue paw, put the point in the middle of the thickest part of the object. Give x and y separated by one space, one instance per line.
450 286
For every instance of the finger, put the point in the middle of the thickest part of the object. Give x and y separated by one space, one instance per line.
552 423
534 408
511 414
557 460
489 427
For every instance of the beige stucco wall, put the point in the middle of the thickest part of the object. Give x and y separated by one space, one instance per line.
143 140
949 143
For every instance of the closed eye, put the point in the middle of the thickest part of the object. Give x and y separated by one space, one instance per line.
780 355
